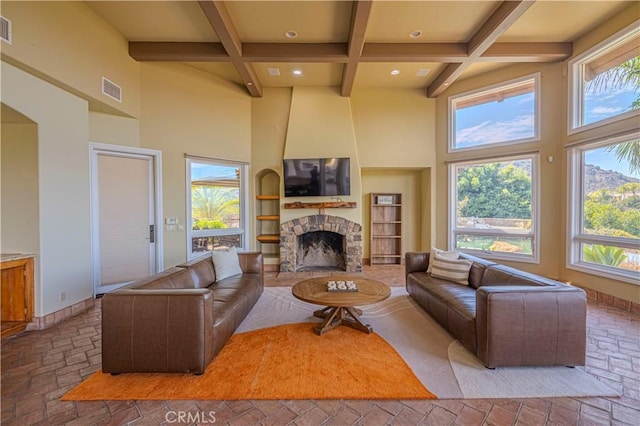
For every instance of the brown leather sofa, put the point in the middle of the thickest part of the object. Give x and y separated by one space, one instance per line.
178 320
506 317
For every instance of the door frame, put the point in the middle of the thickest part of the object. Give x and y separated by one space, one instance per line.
97 148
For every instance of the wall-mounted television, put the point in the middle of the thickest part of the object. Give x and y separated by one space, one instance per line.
317 177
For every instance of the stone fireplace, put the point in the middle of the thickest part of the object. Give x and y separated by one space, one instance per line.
320 242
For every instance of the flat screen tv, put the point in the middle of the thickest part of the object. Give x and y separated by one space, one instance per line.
317 177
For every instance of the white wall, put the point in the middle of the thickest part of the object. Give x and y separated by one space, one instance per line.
63 181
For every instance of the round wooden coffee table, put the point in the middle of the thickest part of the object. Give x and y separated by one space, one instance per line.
340 306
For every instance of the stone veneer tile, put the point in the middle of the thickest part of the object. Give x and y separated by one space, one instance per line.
289 231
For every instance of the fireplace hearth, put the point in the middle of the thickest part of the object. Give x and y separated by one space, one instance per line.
320 242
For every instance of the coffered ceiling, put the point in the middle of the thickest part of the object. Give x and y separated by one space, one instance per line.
352 44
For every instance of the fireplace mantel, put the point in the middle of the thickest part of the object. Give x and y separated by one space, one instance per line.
322 205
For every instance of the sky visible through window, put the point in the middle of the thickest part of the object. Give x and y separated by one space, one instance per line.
607 160
604 102
495 122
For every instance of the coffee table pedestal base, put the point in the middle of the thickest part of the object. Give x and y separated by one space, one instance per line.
340 315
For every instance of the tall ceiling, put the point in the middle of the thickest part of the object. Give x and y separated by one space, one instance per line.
353 44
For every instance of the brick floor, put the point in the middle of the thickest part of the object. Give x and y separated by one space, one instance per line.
38 367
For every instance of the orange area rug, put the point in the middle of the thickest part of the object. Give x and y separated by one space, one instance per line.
281 362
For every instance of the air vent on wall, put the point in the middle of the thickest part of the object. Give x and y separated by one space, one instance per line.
112 90
5 29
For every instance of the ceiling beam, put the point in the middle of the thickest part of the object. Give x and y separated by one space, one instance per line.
218 16
178 52
457 52
499 22
359 21
295 52
414 52
527 52
337 52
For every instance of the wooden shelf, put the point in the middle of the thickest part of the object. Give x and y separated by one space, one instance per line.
386 229
268 217
267 197
321 205
269 238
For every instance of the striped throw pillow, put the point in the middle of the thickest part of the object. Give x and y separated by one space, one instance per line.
456 270
448 254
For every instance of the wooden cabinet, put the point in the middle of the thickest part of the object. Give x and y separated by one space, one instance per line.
17 293
386 228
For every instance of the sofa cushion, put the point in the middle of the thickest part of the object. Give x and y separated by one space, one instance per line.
174 278
476 274
226 263
453 254
505 275
456 270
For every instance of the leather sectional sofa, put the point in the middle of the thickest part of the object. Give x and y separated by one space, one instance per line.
506 317
178 320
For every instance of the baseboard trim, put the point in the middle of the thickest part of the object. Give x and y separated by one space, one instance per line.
40 323
609 300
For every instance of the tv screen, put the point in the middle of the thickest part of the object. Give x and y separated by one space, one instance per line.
317 177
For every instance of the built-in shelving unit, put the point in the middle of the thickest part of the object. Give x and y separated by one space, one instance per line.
268 214
386 228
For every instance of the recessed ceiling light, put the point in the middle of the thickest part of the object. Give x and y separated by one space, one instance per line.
415 34
249 83
395 72
297 72
291 34
274 72
422 72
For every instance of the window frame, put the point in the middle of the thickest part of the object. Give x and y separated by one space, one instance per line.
534 233
575 214
575 91
243 230
494 88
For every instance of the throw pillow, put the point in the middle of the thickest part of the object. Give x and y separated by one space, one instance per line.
448 254
456 270
226 263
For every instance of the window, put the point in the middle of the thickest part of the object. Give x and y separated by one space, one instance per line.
216 205
494 207
604 211
502 114
604 83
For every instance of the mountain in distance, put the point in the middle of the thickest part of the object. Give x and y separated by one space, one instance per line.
597 178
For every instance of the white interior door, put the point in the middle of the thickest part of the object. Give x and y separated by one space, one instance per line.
124 212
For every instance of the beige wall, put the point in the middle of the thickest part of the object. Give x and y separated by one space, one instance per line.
19 188
113 129
67 44
394 128
551 119
321 125
409 183
617 288
553 175
64 254
188 111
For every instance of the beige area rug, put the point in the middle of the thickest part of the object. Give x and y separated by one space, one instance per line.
438 360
